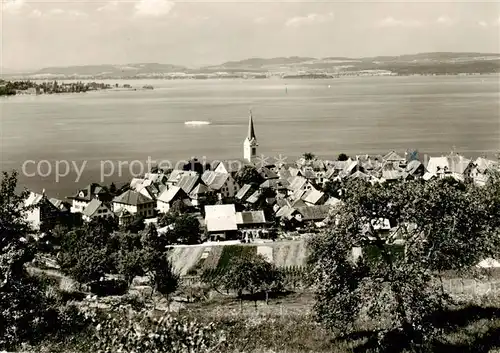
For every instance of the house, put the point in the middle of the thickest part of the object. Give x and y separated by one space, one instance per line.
312 213
61 205
198 194
250 219
453 165
482 170
222 183
275 184
42 214
391 172
220 221
395 159
351 168
97 209
299 183
229 167
167 198
415 169
314 197
267 173
188 181
83 197
176 175
135 203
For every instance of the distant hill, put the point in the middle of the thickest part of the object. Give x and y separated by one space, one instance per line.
422 63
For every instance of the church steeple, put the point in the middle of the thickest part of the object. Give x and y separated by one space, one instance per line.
251 131
250 143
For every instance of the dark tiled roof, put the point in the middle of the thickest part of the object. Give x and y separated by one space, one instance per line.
250 217
133 198
89 192
314 213
267 173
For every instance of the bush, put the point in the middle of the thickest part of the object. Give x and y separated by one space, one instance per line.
139 332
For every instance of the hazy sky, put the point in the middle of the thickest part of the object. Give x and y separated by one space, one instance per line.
40 33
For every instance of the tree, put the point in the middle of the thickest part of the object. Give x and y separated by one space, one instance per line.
444 226
333 188
185 229
178 206
308 156
23 307
248 175
342 157
250 273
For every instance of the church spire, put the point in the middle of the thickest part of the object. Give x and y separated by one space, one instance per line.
251 131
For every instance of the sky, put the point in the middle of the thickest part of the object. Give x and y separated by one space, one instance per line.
45 33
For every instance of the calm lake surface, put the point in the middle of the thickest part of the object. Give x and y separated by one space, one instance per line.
326 117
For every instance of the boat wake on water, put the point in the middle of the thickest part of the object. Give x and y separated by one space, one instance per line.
197 122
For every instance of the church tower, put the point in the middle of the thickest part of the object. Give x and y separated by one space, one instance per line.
250 143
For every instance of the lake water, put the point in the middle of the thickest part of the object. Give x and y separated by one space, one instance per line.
326 117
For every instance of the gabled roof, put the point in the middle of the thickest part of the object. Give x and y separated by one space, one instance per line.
392 174
284 173
309 174
243 192
482 164
61 205
188 181
298 203
131 197
220 218
360 175
413 166
171 194
200 189
393 157
177 174
33 199
453 163
89 192
285 212
267 173
297 194
297 183
312 196
230 166
91 209
314 213
330 173
214 180
254 197
332 201
250 217
274 184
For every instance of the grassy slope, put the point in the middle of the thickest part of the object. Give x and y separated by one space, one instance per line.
285 254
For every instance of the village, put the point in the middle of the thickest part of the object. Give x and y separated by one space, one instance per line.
252 203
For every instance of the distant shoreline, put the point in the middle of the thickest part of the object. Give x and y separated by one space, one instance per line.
290 77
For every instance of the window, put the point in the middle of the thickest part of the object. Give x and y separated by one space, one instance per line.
254 151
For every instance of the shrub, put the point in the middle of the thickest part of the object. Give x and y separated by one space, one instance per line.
139 332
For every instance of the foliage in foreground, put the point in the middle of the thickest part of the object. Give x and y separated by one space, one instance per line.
140 332
445 225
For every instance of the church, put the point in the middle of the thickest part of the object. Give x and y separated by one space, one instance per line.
250 144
